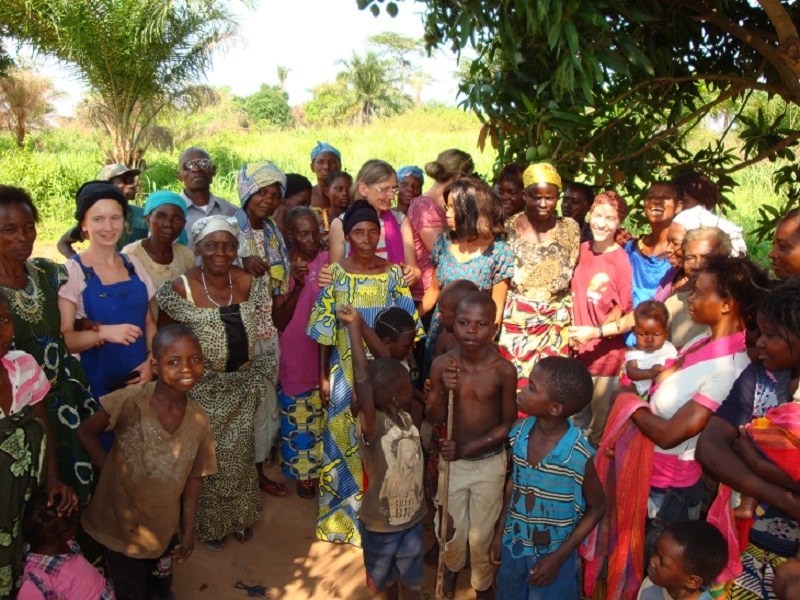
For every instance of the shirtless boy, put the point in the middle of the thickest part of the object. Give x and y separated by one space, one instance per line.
484 411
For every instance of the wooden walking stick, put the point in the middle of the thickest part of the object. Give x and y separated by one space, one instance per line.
445 497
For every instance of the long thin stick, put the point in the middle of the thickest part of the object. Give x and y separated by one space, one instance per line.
445 497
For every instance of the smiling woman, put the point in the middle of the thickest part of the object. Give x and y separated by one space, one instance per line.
224 306
111 290
31 286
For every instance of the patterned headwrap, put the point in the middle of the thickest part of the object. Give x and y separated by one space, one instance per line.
411 171
254 176
541 173
324 147
162 197
208 225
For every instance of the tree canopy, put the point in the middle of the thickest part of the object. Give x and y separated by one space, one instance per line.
139 57
268 106
610 89
26 100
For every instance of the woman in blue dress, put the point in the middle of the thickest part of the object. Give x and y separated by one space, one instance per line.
110 290
369 284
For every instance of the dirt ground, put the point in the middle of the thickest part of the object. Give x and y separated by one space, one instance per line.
286 558
284 555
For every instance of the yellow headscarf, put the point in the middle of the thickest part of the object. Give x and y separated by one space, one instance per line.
541 173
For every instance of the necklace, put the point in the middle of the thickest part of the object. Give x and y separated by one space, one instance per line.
205 288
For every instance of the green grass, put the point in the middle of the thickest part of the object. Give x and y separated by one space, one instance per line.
54 163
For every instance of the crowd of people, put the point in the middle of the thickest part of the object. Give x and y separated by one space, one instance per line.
587 411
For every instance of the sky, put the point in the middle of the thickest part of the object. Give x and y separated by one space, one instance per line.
308 37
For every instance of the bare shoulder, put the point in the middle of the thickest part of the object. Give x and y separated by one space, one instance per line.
502 366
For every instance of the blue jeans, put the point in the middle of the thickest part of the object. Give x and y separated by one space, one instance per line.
393 557
512 579
674 505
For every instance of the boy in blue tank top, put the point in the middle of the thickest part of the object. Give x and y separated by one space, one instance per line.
553 499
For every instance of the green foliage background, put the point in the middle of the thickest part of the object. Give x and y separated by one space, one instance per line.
53 164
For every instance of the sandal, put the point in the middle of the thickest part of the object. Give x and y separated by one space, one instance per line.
243 536
216 545
276 488
307 489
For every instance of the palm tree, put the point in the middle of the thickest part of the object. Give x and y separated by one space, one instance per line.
26 100
283 75
373 90
139 57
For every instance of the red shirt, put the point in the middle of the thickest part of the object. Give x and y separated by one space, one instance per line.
601 282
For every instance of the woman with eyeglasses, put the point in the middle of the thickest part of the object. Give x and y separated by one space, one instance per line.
110 294
376 183
228 310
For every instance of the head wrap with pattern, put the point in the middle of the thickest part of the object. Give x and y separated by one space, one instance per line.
256 175
208 225
541 173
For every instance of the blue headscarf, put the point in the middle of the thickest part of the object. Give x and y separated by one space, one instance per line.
324 147
161 197
410 171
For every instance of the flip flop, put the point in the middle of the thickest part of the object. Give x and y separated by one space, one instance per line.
243 536
307 489
216 545
276 488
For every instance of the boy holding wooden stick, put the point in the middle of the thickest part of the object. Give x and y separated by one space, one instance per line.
484 411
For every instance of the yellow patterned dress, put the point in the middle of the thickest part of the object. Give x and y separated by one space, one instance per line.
538 307
341 483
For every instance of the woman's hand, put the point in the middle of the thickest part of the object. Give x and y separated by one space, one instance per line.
255 265
410 274
145 373
582 334
325 276
299 271
125 334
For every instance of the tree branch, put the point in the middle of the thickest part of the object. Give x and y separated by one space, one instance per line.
784 143
789 72
780 19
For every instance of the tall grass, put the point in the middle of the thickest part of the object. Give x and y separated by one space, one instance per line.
54 164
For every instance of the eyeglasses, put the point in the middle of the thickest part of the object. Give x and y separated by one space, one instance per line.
393 189
217 246
200 163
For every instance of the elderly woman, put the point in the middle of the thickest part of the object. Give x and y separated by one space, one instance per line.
110 289
410 180
228 310
161 255
539 303
31 286
426 214
262 186
325 159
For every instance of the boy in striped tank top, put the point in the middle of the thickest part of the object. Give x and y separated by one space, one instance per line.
554 497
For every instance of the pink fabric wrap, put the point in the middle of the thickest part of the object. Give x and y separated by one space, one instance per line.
393 237
620 537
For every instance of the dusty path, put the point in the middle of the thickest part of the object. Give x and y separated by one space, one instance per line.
285 557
